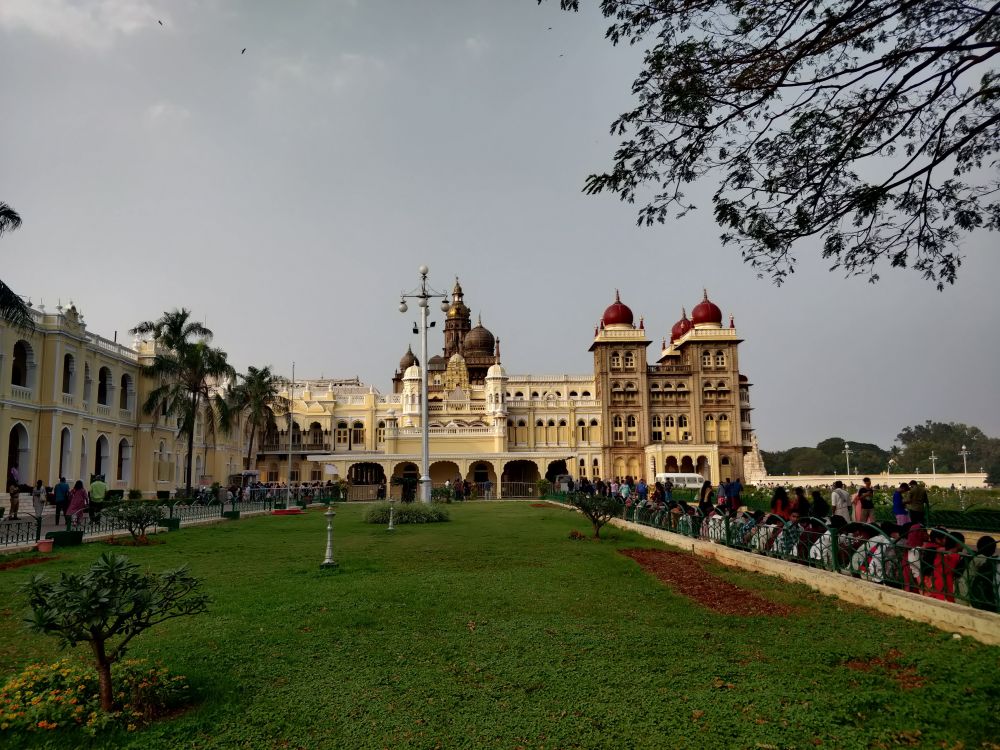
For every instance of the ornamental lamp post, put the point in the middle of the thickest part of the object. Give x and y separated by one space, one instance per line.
423 294
392 507
328 561
964 453
933 460
847 454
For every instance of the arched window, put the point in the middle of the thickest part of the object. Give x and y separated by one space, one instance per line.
124 461
68 375
710 429
725 431
519 395
380 432
581 430
682 421
720 359
616 361
20 371
596 468
103 386
629 361
358 434
706 358
534 394
631 429
127 392
521 437
668 421
341 436
618 429
102 459
585 394
539 432
656 422
583 467
656 425
563 432
572 394
296 434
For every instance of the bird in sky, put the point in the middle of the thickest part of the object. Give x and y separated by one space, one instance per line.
160 22
550 28
244 51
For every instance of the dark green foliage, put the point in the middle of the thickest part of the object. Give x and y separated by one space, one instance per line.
13 309
136 516
109 605
872 125
599 509
407 513
186 368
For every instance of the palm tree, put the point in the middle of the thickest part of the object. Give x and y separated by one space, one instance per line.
187 372
12 307
256 395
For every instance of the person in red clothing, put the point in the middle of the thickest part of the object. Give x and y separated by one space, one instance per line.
916 537
780 504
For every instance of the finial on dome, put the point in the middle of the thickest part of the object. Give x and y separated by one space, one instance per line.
617 298
732 323
479 319
664 344
496 354
596 329
642 323
684 313
705 294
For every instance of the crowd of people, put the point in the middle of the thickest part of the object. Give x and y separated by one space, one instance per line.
70 502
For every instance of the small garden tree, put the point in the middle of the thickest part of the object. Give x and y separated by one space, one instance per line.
108 606
137 517
598 508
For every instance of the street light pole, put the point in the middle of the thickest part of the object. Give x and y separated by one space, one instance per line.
847 455
964 453
291 398
423 294
933 459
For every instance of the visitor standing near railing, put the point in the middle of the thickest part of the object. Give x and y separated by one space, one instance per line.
916 501
14 490
841 501
866 502
38 498
61 498
78 502
899 504
98 491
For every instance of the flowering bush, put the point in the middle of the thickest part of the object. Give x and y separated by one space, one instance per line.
66 694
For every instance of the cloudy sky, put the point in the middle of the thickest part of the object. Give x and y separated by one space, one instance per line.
287 195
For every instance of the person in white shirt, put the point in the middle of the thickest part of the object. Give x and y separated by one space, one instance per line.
840 499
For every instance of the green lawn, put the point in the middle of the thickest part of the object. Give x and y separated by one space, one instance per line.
497 630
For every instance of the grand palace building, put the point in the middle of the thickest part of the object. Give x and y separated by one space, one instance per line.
68 406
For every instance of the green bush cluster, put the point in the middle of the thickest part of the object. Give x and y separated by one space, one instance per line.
407 513
46 697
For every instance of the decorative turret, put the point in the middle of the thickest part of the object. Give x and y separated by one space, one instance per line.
411 391
496 387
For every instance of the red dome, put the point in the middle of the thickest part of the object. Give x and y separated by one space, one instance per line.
617 313
706 312
681 327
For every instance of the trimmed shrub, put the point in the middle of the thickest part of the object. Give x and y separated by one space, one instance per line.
65 694
407 513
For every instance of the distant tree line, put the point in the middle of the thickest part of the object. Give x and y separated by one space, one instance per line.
911 453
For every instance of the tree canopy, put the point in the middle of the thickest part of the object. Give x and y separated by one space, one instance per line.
870 124
916 444
12 308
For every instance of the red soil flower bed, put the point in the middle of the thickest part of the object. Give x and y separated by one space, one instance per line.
543 505
22 561
686 575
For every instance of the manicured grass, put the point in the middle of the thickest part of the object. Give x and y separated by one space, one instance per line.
497 630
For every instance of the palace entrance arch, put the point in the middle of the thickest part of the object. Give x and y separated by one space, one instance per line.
519 479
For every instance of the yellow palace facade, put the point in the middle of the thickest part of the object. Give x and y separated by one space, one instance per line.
69 405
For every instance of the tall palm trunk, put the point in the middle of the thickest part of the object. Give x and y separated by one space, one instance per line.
190 466
253 432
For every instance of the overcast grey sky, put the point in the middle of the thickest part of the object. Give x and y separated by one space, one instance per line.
287 196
